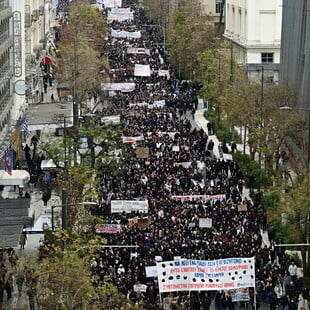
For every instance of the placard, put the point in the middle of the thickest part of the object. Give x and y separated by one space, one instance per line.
205 222
142 70
140 288
151 271
132 139
240 294
142 152
242 208
227 156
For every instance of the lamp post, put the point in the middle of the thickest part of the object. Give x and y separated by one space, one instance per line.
64 208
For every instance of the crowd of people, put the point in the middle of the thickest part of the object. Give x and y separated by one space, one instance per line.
182 181
171 164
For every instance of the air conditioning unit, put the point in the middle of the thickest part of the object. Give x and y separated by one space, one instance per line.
41 10
35 15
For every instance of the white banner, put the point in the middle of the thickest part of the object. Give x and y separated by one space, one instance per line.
138 50
205 222
199 275
119 16
125 34
227 156
162 72
151 271
111 119
120 10
123 87
128 206
132 139
110 3
185 164
158 103
142 70
198 197
109 229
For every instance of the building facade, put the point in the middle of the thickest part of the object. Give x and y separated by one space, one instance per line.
295 47
25 28
254 29
6 71
213 9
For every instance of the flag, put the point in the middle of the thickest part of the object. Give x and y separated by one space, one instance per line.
7 159
23 124
25 128
15 140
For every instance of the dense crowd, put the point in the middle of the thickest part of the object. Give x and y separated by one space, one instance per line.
180 163
182 181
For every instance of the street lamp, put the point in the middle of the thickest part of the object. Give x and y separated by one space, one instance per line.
64 208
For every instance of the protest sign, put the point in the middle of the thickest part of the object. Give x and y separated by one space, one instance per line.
132 139
143 223
205 222
139 288
227 156
198 197
111 119
142 152
142 70
128 206
200 275
123 87
240 294
242 208
108 229
151 271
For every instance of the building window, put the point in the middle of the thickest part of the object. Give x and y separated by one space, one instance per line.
267 58
218 6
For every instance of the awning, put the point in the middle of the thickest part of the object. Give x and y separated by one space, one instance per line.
18 177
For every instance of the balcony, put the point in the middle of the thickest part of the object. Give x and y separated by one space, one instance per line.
41 10
28 20
35 15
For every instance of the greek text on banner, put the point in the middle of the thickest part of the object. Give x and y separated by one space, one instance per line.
199 275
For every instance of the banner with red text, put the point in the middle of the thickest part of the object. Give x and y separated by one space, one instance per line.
200 275
198 197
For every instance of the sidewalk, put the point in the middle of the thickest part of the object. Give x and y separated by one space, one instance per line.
201 122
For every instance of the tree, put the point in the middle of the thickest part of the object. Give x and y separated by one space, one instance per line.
83 64
190 33
158 11
289 215
261 118
215 69
63 278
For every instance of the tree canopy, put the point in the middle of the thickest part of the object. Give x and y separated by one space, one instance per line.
82 63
